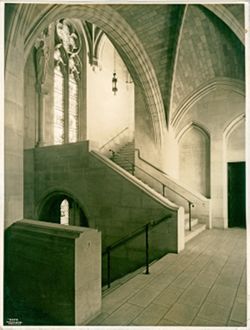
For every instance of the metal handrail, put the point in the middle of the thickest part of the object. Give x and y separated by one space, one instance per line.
190 203
141 169
113 138
128 237
158 169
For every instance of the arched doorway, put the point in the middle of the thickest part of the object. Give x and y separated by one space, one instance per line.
236 173
62 209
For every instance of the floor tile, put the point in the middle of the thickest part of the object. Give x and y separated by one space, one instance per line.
144 297
214 312
117 297
181 314
222 295
184 279
194 295
168 296
123 315
151 315
232 323
229 280
241 298
213 266
205 291
99 319
203 322
205 279
165 322
239 313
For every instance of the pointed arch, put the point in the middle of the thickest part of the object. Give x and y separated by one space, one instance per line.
189 126
224 14
49 208
127 44
194 157
235 85
233 125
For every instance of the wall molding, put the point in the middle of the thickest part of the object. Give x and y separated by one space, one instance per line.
233 125
189 126
238 86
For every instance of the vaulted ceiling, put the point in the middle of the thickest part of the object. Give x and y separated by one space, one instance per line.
187 45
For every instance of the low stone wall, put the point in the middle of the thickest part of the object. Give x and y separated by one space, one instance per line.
175 191
52 274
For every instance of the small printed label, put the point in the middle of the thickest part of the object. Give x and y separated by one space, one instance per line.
14 322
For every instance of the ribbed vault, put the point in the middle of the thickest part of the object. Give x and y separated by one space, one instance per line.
170 50
207 50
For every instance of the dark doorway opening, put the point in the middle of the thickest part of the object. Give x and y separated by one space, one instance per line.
237 195
52 211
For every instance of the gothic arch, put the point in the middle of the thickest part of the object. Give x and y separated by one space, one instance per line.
226 83
52 200
223 13
191 125
127 45
51 193
233 125
194 157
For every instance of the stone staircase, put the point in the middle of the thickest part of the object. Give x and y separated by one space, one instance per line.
125 158
196 228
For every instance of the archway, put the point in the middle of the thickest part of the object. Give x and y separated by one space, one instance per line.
128 46
194 158
234 173
63 209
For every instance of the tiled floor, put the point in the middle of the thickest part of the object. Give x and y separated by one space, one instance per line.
205 285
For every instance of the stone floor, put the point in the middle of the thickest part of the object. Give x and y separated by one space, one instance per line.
205 285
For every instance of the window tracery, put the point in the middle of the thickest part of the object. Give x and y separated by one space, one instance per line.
67 61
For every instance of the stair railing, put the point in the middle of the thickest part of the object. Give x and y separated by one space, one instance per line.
190 204
145 228
113 138
134 166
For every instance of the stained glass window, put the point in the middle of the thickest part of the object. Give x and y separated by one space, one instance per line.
73 109
66 96
58 106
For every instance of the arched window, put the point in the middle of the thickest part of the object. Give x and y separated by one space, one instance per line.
64 212
73 109
58 105
67 69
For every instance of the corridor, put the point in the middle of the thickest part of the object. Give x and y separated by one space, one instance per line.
205 285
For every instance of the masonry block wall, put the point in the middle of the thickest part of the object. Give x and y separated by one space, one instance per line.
111 203
215 112
13 132
107 115
52 273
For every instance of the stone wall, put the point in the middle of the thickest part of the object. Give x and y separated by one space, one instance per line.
13 132
194 161
111 202
52 274
108 114
215 112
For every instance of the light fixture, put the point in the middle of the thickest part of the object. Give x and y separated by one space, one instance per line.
114 84
114 79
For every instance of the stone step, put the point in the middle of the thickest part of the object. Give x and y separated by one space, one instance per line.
122 162
194 222
196 230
